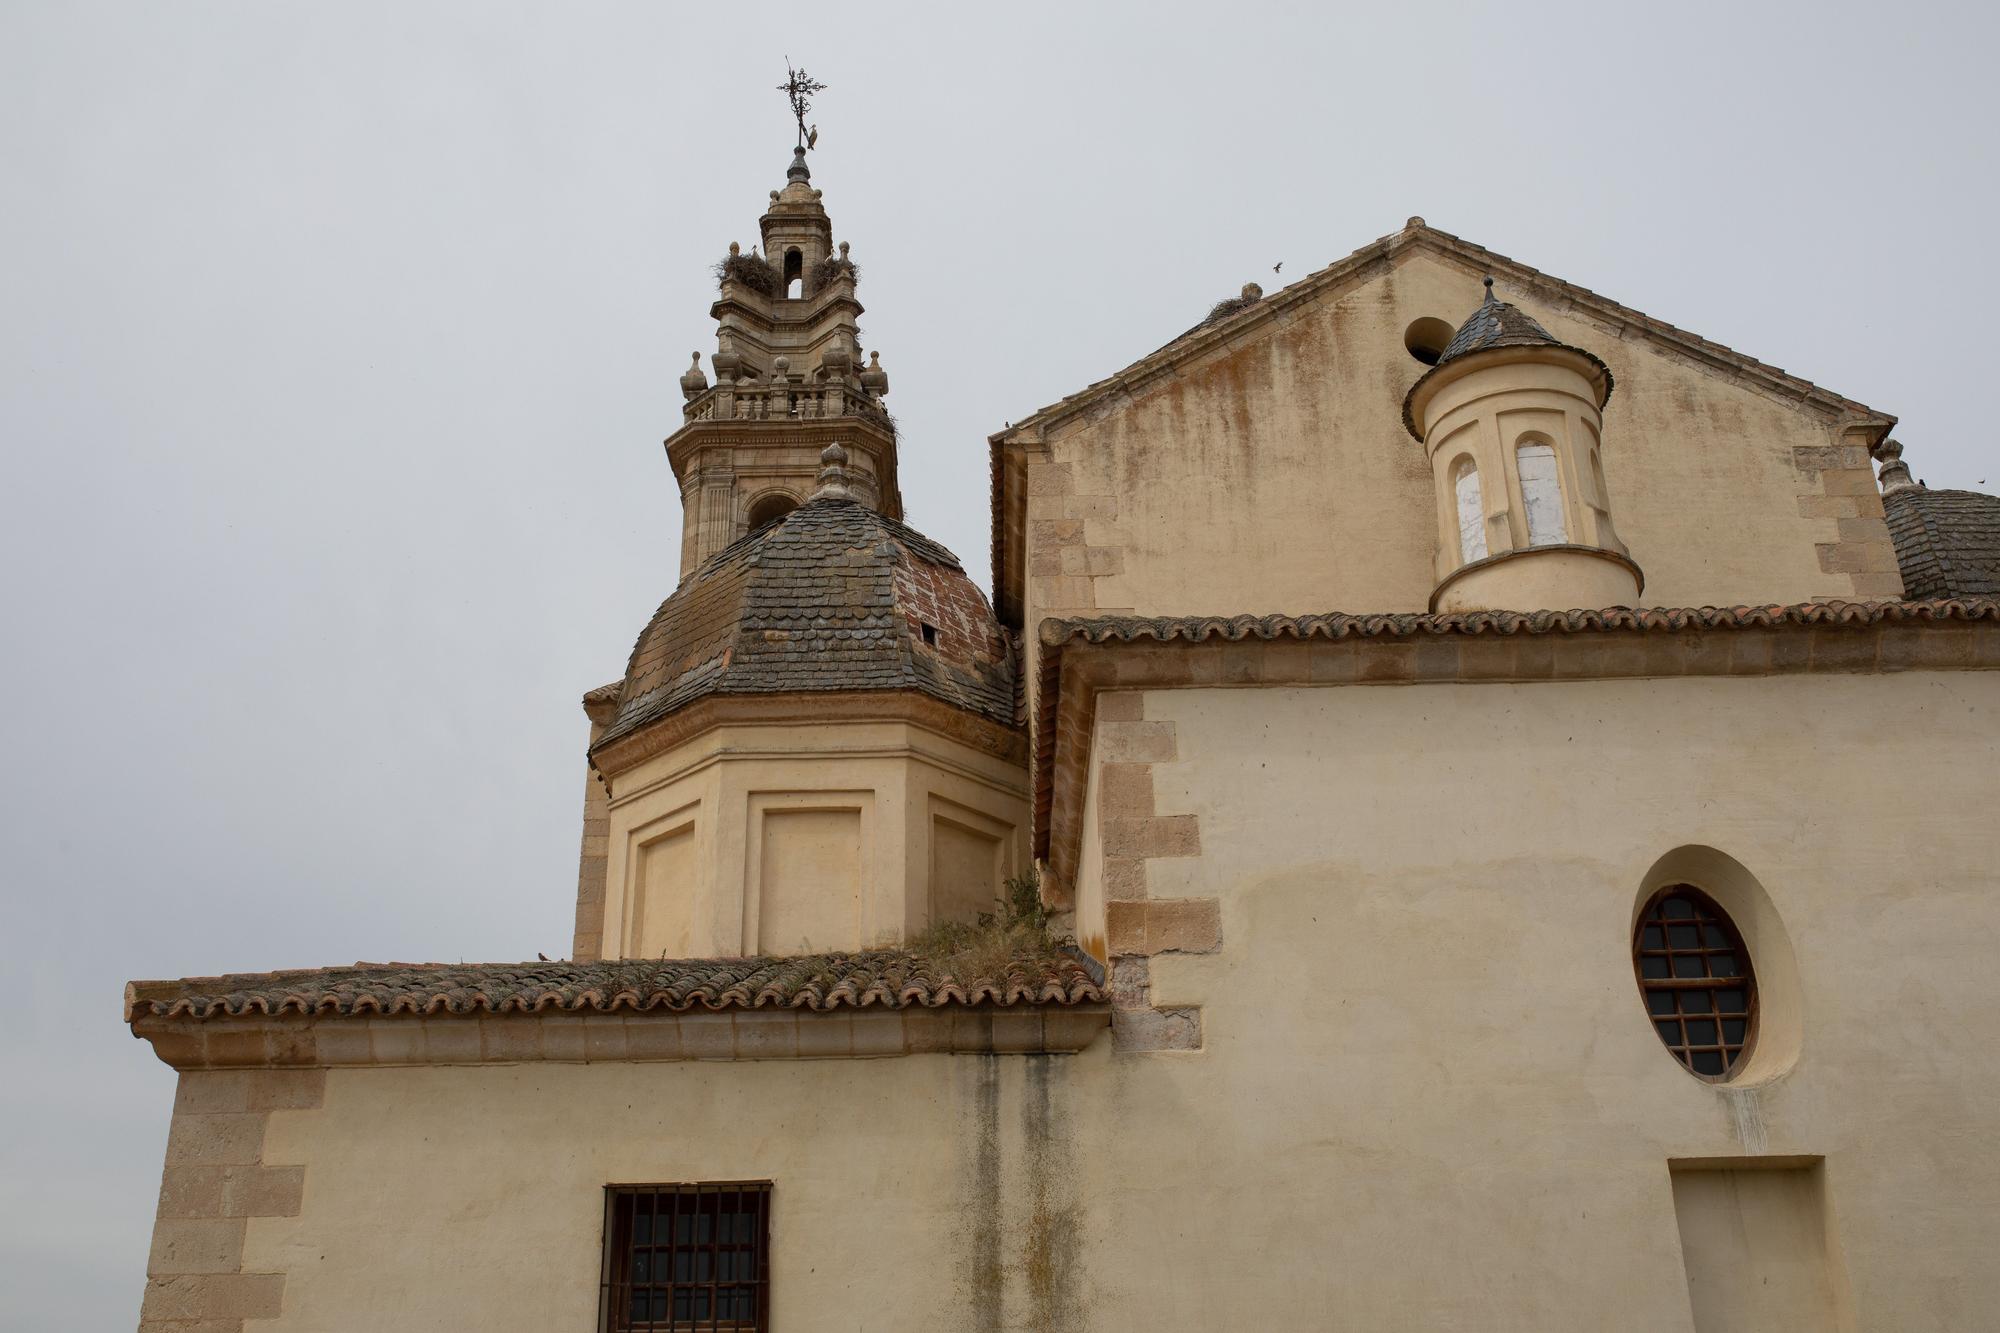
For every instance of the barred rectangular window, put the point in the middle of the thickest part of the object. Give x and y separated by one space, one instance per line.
686 1257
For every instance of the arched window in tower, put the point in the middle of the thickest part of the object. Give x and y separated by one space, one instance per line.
795 274
1541 493
1471 511
770 508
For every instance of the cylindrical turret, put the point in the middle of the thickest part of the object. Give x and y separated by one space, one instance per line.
1512 422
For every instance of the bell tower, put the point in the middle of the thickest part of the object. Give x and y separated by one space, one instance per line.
789 382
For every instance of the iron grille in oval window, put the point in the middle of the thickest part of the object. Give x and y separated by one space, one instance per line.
1695 975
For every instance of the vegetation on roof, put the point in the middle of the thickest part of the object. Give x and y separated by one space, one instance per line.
1015 933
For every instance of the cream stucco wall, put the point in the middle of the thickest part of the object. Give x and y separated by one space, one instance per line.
1274 474
796 837
1427 1094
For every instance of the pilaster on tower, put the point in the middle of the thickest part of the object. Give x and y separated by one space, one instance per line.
789 381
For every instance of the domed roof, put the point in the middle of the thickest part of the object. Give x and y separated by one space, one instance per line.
1947 542
1496 324
832 597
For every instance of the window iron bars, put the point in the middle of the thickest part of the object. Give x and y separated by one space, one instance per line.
1695 976
686 1258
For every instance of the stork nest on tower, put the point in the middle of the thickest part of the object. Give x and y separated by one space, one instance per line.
753 271
831 268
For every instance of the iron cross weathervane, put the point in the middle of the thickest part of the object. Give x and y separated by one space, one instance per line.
800 87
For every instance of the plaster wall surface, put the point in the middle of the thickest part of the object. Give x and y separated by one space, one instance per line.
792 838
1275 475
1427 1094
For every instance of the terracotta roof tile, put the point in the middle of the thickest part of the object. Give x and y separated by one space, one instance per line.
1339 625
886 978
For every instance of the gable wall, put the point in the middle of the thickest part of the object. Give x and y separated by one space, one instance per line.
1276 476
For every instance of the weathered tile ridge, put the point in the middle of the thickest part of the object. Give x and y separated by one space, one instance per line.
1056 632
885 978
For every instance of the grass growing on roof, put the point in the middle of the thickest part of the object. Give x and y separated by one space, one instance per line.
1016 931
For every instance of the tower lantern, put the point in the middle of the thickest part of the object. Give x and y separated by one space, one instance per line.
790 377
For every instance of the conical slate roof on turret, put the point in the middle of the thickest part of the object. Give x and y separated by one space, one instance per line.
1496 324
1493 325
832 597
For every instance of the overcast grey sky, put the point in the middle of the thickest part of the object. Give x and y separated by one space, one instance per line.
337 342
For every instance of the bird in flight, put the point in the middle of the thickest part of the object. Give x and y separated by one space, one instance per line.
1275 267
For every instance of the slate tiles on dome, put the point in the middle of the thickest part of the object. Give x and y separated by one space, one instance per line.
1947 542
882 978
834 596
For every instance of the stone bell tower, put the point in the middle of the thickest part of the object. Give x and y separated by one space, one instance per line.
789 382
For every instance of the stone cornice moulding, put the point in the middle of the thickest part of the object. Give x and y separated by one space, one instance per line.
733 753
675 729
297 1041
1081 658
778 432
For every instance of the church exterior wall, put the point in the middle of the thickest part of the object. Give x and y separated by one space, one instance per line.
1275 474
1426 1093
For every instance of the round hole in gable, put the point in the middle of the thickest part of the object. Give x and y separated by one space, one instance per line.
1426 339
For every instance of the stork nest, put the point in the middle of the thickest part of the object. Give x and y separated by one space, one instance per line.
753 271
831 268
1223 309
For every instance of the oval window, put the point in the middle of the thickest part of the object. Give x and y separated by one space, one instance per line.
1695 976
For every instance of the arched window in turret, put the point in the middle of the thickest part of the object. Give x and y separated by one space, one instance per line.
1471 511
1541 492
795 274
